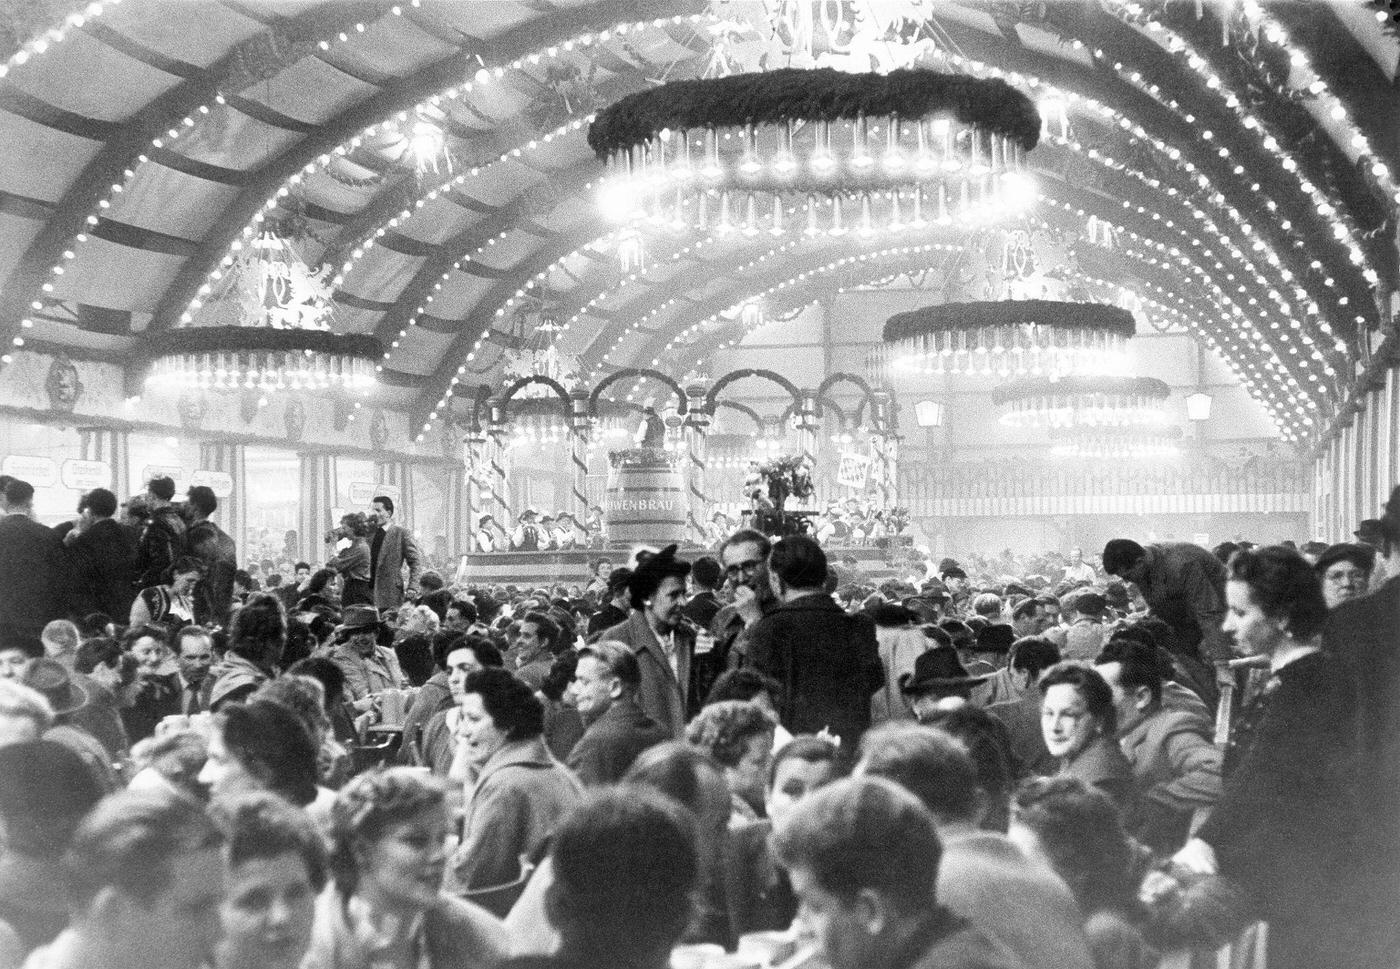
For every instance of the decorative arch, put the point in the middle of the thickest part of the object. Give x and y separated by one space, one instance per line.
768 375
627 372
559 389
744 409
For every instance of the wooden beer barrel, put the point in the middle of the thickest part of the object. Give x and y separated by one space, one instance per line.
646 501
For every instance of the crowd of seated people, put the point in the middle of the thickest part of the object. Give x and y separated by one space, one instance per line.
1104 763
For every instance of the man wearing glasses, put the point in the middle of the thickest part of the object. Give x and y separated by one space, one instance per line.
744 558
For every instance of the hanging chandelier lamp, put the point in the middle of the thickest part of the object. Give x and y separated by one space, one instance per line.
1011 338
1116 443
818 152
1082 402
280 337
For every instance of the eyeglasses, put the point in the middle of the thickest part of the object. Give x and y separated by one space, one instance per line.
747 567
1347 577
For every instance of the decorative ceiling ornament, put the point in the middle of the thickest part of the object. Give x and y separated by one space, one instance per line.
818 152
1116 443
1011 338
537 321
1083 402
281 338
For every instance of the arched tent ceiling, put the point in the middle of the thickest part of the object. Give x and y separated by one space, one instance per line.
1247 169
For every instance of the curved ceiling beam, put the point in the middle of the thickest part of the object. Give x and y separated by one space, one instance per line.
401 94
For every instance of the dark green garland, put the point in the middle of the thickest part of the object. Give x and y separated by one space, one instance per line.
988 313
247 339
822 94
1149 387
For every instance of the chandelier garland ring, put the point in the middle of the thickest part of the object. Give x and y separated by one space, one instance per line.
856 153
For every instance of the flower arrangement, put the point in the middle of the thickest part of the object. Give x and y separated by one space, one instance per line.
783 476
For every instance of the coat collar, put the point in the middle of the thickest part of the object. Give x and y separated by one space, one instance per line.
815 601
517 753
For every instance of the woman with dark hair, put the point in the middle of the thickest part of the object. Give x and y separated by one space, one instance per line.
275 866
323 670
739 736
385 908
520 792
352 563
256 638
306 697
1282 828
1076 831
158 691
260 746
172 603
1079 723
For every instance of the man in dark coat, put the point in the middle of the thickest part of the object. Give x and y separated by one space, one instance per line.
163 539
101 559
32 590
605 689
1364 634
210 544
1181 582
827 662
615 605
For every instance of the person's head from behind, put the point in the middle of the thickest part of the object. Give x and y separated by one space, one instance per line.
1076 709
303 696
796 566
862 854
747 683
987 605
388 839
47 791
498 708
261 746
804 764
607 673
95 505
325 671
1076 830
202 501
145 881
692 778
19 497
1030 656
928 763
161 489
258 632
707 574
274 866
618 580
626 863
24 713
739 736
1273 599
60 639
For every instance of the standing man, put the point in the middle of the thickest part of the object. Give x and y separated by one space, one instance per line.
663 646
145 882
744 557
194 651
100 557
617 730
391 548
1180 582
32 577
210 544
827 662
163 538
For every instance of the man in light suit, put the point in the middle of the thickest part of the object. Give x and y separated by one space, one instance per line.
663 645
391 548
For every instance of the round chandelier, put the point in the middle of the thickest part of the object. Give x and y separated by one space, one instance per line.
1082 402
1011 338
280 337
818 152
1115 443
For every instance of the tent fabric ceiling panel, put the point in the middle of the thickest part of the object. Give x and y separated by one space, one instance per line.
310 90
235 141
168 201
118 276
90 79
15 234
421 351
195 31
394 46
37 161
335 193
382 275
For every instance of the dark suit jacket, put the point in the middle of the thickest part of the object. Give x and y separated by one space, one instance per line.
610 744
32 577
102 566
827 662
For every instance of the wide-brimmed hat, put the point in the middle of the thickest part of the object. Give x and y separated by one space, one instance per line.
358 617
483 520
52 679
528 513
938 668
1371 530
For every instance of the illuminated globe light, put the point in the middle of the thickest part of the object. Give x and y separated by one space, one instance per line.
1011 338
1116 444
819 153
1083 402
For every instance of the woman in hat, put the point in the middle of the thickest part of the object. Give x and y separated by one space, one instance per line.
352 562
275 866
385 907
1080 726
368 667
